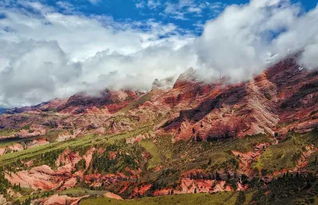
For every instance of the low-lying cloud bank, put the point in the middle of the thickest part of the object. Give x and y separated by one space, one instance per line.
48 55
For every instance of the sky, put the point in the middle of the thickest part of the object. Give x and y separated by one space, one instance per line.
188 15
53 49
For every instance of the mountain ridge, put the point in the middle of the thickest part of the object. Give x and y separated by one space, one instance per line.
195 137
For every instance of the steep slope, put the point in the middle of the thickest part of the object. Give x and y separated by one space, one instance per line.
281 95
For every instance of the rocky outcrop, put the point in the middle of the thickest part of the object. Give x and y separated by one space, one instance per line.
141 191
42 177
103 180
246 159
25 133
2 151
3 200
111 100
37 142
112 196
59 200
67 136
31 133
45 178
302 162
15 147
202 186
283 94
234 111
163 192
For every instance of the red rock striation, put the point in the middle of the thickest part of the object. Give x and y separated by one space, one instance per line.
112 101
45 178
283 94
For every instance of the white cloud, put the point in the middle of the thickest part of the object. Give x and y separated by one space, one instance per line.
34 71
94 1
66 6
79 37
149 64
302 35
152 4
140 4
237 43
181 8
56 55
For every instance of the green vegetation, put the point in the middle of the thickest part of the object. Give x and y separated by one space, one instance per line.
224 198
285 154
133 133
47 158
79 191
160 149
28 196
9 141
167 177
7 132
212 156
313 163
127 156
4 184
289 189
74 144
153 150
81 165
174 159
191 155
52 134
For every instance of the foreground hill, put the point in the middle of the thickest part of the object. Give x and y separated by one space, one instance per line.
253 142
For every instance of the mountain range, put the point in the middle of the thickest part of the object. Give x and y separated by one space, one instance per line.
252 142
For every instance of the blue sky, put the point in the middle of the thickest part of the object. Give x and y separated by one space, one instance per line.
188 15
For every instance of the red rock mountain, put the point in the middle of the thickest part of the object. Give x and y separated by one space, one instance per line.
193 137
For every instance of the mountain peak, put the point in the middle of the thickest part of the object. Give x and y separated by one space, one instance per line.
163 84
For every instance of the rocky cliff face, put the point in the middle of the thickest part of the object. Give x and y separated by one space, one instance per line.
283 94
190 138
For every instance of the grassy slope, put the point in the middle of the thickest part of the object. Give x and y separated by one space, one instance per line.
79 191
313 163
86 141
153 150
224 198
285 154
161 150
178 157
212 156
